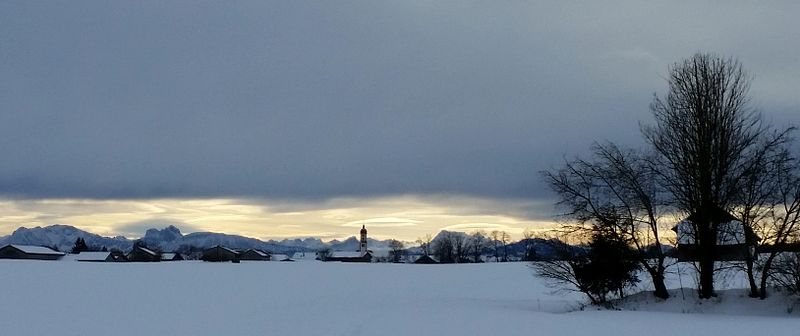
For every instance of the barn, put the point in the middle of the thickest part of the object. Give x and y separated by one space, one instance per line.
255 254
345 256
141 253
735 241
220 253
425 259
12 251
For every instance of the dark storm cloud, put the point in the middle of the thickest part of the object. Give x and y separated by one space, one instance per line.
321 99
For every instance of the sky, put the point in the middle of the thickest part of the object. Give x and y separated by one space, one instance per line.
301 118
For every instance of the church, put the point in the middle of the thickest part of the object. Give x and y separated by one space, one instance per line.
362 255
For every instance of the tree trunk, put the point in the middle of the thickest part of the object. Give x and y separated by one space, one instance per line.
660 288
765 275
707 234
706 278
754 292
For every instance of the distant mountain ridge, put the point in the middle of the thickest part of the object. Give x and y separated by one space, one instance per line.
63 238
170 238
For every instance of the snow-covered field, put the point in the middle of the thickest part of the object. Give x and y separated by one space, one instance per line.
312 298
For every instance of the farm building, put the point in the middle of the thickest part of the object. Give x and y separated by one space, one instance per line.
29 252
255 254
171 257
346 256
425 259
220 253
735 241
141 253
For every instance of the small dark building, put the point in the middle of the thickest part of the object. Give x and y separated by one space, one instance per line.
735 241
171 257
29 252
255 254
350 257
220 253
143 254
425 259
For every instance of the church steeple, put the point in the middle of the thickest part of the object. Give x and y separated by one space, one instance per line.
363 245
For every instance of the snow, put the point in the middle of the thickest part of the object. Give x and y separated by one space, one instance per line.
346 254
146 250
259 252
36 249
87 256
197 298
305 256
728 302
279 257
167 256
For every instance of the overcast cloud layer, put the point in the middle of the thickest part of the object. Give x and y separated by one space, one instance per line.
335 99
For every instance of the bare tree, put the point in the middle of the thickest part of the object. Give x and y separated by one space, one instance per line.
505 239
323 253
494 237
704 133
425 244
528 238
561 268
616 191
443 248
787 272
781 222
765 191
461 247
396 250
478 243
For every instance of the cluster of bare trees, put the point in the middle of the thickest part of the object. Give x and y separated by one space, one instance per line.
615 192
459 247
770 206
396 251
707 150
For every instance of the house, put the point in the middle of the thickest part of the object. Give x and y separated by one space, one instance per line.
362 255
171 257
220 253
114 256
255 254
425 259
735 241
143 254
29 252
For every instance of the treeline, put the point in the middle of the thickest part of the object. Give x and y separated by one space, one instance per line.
459 247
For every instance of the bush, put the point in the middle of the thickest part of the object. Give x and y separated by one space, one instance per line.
607 267
786 272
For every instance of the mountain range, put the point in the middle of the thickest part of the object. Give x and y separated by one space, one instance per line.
170 238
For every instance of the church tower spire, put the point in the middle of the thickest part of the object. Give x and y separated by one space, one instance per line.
363 245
